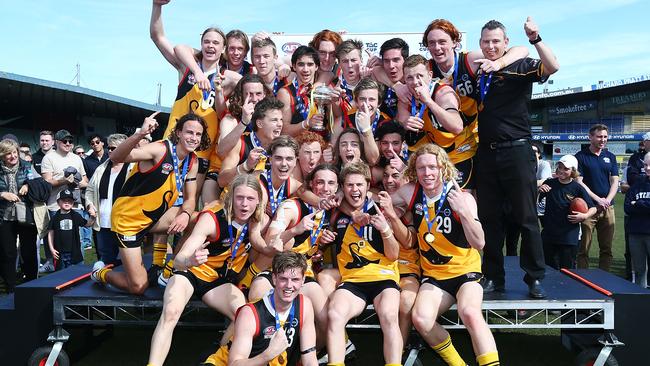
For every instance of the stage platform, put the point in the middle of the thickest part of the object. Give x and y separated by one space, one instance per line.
569 305
69 299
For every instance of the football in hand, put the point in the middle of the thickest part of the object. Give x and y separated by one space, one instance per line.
578 205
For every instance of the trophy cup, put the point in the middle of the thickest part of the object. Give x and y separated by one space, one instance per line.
322 96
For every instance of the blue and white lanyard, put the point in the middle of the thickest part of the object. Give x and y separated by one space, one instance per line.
275 201
302 108
234 246
425 206
360 232
277 316
180 179
313 236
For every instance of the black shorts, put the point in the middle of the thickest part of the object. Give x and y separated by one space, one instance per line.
465 178
131 241
404 275
452 285
267 275
204 165
201 287
212 175
367 291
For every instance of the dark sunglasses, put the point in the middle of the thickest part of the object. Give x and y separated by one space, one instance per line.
95 142
67 141
80 152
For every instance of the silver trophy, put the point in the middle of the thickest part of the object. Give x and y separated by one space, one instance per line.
323 96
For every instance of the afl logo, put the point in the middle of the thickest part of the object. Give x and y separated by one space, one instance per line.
418 209
289 47
167 168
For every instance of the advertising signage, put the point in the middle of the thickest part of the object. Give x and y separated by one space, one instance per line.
585 137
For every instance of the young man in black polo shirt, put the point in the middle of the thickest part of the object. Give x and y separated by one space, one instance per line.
599 174
505 163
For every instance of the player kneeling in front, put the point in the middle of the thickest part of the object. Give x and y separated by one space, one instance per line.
278 329
444 225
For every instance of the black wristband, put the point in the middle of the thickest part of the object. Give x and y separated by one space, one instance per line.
536 40
308 350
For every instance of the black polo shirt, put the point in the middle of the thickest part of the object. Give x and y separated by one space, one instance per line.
92 162
596 170
504 116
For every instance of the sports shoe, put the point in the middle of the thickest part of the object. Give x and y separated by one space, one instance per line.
94 275
88 246
162 280
153 274
350 350
46 268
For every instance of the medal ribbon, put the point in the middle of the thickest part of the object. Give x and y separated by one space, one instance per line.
275 201
234 246
441 201
313 236
388 100
419 113
484 84
276 84
360 232
302 102
277 316
180 179
206 94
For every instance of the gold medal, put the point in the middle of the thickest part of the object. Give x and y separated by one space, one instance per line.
261 164
429 238
318 215
281 360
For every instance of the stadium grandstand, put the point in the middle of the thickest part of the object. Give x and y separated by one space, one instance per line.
29 105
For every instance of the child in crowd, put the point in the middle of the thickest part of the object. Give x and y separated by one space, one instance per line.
561 228
63 232
637 208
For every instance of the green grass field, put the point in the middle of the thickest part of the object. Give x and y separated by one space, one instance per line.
130 346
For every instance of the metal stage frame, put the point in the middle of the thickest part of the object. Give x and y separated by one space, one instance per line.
570 305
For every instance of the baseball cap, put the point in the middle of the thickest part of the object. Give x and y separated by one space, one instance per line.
61 134
569 161
646 136
66 193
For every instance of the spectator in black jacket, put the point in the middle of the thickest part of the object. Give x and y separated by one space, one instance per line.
46 141
637 207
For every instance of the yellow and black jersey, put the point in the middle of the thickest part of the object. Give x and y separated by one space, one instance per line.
433 131
349 120
220 259
463 81
450 254
304 243
190 99
360 250
146 196
265 328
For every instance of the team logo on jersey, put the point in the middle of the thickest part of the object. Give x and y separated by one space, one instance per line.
463 148
269 331
418 209
190 79
167 168
294 322
342 223
446 212
465 77
606 160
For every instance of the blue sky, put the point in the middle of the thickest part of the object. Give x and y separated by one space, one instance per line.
593 40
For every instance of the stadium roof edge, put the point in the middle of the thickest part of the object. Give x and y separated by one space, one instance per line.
82 90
